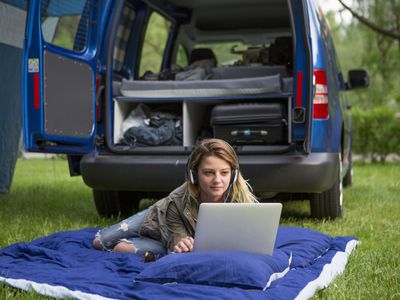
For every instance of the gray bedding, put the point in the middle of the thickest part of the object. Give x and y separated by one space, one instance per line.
247 72
202 88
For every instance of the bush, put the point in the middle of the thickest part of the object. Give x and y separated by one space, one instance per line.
376 133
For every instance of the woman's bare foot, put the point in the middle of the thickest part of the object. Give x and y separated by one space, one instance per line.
97 244
125 247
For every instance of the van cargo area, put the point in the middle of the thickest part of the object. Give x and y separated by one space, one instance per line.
171 109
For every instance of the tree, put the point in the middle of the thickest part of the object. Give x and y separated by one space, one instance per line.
394 11
372 41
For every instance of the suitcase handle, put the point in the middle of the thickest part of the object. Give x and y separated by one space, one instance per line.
249 132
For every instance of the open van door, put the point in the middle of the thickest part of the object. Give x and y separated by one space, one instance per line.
59 75
303 69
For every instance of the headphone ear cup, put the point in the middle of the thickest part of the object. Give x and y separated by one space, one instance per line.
234 176
193 177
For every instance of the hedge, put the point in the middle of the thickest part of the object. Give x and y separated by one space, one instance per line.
376 133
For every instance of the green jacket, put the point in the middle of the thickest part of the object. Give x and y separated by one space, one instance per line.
171 218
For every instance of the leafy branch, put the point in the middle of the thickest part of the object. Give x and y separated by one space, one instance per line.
392 33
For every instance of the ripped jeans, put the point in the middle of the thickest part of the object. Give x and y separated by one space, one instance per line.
128 231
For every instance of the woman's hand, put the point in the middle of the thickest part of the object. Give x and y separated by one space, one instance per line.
184 245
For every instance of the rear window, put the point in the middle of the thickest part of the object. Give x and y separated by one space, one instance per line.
65 23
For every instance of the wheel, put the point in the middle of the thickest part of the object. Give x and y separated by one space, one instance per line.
348 178
329 204
116 203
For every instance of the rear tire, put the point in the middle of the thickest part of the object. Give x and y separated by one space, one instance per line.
116 203
329 204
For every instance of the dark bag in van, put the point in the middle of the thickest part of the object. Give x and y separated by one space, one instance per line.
281 52
251 123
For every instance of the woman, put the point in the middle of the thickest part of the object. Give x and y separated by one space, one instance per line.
212 176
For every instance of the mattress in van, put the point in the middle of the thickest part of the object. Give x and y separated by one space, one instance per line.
201 88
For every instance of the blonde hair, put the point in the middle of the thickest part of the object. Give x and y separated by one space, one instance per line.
241 191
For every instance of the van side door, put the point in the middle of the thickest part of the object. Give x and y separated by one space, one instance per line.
59 74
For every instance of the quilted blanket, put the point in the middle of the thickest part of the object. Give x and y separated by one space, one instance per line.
64 265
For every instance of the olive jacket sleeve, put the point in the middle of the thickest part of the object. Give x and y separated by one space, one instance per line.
171 218
176 226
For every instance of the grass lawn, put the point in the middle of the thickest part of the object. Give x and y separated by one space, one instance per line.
44 200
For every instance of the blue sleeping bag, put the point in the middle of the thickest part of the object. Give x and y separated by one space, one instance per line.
64 265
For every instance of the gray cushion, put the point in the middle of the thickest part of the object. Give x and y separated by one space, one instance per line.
201 88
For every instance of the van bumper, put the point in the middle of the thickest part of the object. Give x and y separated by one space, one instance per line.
295 173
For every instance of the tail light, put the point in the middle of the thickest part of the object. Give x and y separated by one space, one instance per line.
320 103
36 91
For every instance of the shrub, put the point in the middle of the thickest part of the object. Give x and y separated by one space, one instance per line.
376 133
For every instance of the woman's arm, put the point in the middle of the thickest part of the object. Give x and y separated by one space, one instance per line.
179 239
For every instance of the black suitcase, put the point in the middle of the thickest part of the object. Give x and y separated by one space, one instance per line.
251 123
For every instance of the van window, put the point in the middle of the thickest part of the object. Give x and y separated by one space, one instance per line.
155 41
181 57
123 34
224 51
65 23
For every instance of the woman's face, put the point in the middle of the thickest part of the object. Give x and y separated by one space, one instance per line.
213 174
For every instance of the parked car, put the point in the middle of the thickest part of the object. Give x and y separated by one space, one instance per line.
126 88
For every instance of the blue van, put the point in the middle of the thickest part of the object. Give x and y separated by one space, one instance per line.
126 88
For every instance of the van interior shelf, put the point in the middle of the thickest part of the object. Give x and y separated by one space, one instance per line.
194 112
214 100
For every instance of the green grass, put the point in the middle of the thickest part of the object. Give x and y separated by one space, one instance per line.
44 199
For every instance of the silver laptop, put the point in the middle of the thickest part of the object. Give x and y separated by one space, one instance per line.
237 226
